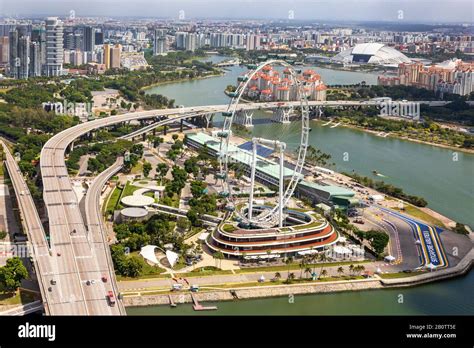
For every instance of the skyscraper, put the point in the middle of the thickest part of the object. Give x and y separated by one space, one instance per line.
35 60
54 46
106 56
19 53
191 39
159 45
4 50
89 39
115 55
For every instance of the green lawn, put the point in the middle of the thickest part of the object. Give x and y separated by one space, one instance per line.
114 199
310 225
129 189
296 266
17 298
420 214
399 275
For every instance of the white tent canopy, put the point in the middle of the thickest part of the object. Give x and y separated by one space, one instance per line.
389 258
172 257
148 253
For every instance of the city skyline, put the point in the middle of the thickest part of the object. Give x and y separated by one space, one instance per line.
296 10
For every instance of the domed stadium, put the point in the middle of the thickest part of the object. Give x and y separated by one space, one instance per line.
371 53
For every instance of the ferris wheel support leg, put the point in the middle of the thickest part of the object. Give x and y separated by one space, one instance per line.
252 177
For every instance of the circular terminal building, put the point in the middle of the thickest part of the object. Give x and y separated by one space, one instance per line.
302 232
137 201
133 213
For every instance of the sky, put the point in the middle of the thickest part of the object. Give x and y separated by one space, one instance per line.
410 11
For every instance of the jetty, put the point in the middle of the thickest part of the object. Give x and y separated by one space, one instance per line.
198 307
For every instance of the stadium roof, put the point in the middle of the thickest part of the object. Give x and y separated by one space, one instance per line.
372 53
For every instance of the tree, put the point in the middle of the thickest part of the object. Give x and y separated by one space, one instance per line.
351 268
277 276
218 256
340 270
12 274
175 137
291 277
322 258
324 273
3 234
134 266
161 170
307 271
183 223
146 168
289 261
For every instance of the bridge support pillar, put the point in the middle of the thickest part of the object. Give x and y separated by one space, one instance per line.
208 118
165 129
144 136
181 126
244 118
282 115
154 131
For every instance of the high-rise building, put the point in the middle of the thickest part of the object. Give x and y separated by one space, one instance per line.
99 38
4 50
38 34
35 60
160 44
191 40
106 56
19 53
181 40
89 39
54 46
253 42
115 53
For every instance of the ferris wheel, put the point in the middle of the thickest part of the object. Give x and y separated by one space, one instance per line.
269 216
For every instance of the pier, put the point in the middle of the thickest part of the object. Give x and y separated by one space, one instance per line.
198 307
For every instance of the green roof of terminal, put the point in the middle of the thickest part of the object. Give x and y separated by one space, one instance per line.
242 156
264 165
334 191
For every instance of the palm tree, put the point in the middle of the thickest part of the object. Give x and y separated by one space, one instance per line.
307 271
289 261
324 273
244 255
291 277
322 259
302 265
277 276
340 270
351 269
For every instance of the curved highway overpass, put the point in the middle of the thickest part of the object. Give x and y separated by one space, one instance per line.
81 256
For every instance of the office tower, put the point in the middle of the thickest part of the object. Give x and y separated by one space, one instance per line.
38 34
115 54
35 60
4 50
19 53
99 38
106 56
54 46
89 39
159 45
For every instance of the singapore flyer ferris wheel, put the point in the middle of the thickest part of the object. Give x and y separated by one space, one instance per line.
264 217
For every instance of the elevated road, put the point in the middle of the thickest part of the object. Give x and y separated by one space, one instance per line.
96 228
38 244
78 253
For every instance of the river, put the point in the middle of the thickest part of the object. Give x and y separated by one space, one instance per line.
443 179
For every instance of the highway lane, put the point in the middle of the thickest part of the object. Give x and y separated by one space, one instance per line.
96 228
